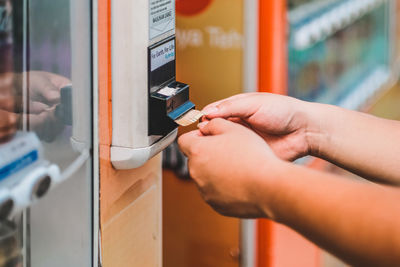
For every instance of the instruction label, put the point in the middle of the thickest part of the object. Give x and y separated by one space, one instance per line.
162 55
162 17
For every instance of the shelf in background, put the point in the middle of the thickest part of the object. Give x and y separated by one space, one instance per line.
325 18
376 82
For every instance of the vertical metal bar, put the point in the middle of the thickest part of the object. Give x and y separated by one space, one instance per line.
25 127
248 243
250 84
250 54
95 179
25 64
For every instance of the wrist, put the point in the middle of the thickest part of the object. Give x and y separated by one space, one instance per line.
285 191
270 187
317 128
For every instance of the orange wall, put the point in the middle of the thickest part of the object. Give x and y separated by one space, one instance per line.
209 59
130 201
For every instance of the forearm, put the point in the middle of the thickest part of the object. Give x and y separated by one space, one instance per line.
358 222
361 143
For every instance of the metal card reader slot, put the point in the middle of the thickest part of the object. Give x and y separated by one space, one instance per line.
166 105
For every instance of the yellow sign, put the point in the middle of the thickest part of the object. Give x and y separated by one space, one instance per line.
210 48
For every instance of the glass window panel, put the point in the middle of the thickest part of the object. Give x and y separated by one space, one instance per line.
45 89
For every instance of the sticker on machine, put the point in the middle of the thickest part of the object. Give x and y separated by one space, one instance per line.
162 55
162 17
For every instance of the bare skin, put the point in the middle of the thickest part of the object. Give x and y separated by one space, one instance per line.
240 160
8 119
44 95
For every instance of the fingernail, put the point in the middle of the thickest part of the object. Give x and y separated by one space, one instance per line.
12 118
210 110
202 124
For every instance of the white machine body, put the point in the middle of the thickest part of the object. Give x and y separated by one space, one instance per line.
132 146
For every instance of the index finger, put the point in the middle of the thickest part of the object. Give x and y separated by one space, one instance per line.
215 104
240 107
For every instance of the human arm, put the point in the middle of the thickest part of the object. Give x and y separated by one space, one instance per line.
44 93
238 175
356 221
361 143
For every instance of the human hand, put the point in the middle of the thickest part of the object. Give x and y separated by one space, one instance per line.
8 125
44 96
46 124
8 119
230 164
44 90
280 120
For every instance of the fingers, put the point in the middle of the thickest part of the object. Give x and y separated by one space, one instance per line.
46 125
215 127
241 122
212 107
8 120
37 107
51 95
186 141
45 87
7 101
8 125
45 92
6 135
58 80
241 106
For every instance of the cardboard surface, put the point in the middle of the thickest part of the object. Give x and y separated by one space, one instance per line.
130 201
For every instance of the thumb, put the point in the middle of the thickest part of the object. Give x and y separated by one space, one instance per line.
215 127
187 141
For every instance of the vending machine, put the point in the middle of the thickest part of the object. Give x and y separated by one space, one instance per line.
141 103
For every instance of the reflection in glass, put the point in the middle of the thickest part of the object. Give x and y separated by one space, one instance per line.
10 247
7 115
38 89
49 65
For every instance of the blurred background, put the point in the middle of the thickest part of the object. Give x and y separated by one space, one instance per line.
341 52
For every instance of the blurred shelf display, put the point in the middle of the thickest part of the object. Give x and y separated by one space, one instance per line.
396 34
316 21
339 51
366 89
10 245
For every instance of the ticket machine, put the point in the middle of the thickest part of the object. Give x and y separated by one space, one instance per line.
147 99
